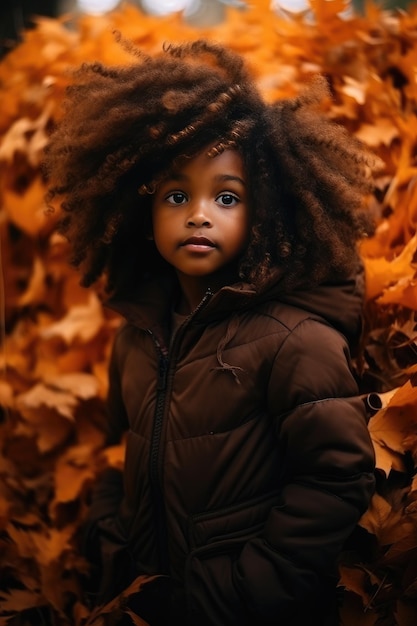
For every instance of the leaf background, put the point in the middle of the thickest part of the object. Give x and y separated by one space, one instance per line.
55 336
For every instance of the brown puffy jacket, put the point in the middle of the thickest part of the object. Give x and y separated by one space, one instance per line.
248 459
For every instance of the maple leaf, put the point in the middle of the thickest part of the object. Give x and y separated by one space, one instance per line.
74 468
6 394
115 455
19 600
27 136
387 524
58 339
381 273
375 135
117 606
82 322
44 395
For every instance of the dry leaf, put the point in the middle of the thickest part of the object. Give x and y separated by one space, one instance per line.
58 338
82 322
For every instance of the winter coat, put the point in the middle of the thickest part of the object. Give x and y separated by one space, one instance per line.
248 459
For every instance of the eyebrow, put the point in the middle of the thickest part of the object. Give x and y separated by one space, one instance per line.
226 177
219 178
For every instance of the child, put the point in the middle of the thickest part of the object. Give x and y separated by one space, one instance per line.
226 229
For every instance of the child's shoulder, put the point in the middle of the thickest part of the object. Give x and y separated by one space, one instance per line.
286 314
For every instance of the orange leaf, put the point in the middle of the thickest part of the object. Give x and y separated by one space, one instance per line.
388 525
27 210
42 395
354 579
383 132
381 273
18 600
115 456
404 293
82 322
390 426
80 384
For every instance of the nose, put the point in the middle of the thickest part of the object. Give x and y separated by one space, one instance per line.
199 215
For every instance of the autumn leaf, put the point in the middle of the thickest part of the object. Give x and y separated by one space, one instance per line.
117 606
73 470
381 273
392 427
42 395
19 600
115 455
57 337
387 524
27 208
82 322
374 135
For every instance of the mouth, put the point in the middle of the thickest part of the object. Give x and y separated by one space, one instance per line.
198 243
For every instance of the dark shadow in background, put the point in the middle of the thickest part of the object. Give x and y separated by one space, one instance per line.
17 15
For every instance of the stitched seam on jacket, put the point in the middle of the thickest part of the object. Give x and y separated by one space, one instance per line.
311 402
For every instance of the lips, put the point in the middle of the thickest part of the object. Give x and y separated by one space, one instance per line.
199 242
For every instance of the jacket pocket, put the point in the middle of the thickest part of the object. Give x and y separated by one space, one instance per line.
240 521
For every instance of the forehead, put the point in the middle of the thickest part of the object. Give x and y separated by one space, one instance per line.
227 162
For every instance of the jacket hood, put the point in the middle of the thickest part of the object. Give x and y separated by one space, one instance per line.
341 304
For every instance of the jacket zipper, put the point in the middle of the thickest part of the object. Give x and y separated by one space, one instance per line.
155 481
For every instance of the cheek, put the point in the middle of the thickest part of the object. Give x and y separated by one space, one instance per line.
157 222
163 229
242 233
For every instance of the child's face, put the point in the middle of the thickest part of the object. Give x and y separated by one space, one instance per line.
200 214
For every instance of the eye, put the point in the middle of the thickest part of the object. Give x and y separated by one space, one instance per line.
176 197
227 199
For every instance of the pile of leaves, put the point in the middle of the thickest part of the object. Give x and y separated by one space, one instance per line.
56 337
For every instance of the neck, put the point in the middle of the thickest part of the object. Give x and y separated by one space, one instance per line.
194 288
191 294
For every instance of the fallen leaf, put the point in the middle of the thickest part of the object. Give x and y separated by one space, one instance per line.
81 323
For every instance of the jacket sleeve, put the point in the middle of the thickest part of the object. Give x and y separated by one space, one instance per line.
281 576
328 477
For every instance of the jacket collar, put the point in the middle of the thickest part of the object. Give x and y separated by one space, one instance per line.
340 304
151 305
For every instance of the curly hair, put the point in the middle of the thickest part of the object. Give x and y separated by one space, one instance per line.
124 127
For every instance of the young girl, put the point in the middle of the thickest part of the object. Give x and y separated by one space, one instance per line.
226 230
